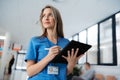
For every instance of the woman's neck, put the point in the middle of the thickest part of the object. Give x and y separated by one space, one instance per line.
52 36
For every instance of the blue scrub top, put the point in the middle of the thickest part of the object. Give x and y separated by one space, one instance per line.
36 51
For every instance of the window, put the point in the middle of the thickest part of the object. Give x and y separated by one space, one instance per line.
118 35
106 51
82 36
76 37
70 38
105 40
92 40
82 60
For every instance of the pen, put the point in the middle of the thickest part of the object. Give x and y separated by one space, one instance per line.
49 48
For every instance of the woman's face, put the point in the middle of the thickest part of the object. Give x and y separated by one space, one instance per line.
48 20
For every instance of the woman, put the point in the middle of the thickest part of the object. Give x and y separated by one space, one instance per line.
38 57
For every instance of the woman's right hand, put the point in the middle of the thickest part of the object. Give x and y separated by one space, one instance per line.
34 68
53 51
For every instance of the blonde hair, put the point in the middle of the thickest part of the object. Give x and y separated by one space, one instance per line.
58 28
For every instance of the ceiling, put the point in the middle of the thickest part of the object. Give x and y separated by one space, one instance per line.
20 17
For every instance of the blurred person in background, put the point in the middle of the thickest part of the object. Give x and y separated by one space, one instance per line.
87 74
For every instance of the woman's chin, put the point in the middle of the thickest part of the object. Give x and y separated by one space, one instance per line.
48 27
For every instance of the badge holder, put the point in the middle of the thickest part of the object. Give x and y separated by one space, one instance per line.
53 70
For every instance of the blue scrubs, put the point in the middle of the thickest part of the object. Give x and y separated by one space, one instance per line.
36 52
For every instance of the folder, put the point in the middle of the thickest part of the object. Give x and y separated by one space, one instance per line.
71 45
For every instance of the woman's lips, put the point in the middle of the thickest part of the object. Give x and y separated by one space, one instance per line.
47 22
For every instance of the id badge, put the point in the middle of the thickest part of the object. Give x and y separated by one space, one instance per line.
52 70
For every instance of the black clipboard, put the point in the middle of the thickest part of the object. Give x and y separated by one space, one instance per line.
71 45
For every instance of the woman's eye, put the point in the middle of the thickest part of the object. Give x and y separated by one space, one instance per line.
51 14
47 15
43 16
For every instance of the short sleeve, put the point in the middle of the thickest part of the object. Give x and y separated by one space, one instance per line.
31 51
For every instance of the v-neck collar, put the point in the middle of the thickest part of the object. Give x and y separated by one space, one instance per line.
52 42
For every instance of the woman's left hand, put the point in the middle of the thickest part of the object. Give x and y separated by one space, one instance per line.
72 59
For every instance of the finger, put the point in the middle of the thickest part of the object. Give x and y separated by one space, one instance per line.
68 53
72 52
64 57
55 54
56 49
76 52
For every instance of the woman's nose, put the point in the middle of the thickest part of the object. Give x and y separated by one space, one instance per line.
46 17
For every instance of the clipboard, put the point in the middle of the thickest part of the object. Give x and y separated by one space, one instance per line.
71 45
